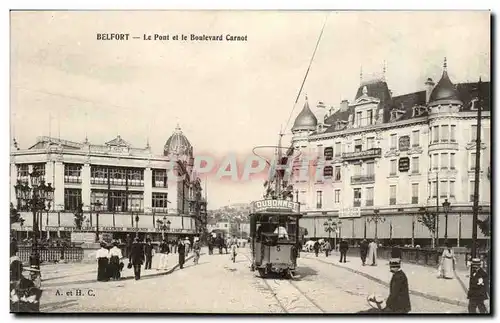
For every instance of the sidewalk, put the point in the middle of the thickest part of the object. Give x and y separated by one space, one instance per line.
423 281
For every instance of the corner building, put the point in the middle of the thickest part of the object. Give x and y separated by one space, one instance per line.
126 181
395 154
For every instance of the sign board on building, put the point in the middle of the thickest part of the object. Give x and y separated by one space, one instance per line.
274 206
328 153
351 212
404 143
85 237
404 164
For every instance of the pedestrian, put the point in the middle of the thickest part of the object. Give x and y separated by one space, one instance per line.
447 264
399 295
129 245
181 249
372 253
363 249
148 252
316 248
137 257
343 247
174 245
187 244
196 250
327 247
102 256
164 251
115 266
210 246
479 285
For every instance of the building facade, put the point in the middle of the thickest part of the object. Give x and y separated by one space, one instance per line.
394 155
115 183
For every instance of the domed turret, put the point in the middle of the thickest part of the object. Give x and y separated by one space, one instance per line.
306 120
444 92
178 144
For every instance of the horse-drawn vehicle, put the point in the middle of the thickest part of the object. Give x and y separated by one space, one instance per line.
274 232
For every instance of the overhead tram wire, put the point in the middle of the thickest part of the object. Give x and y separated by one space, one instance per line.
307 71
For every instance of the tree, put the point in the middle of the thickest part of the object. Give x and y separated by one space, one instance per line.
15 216
79 216
429 221
485 226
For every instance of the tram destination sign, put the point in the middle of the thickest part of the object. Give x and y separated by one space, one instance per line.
274 206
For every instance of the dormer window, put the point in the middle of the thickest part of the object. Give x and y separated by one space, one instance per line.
474 104
396 114
418 110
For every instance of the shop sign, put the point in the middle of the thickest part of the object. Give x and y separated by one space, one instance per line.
404 164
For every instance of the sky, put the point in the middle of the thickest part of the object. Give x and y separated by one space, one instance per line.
227 97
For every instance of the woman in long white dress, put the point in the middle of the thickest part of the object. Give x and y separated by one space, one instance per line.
372 253
448 262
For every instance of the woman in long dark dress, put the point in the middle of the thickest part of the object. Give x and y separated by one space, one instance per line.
181 248
102 257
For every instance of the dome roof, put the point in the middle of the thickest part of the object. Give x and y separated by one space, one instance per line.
444 92
306 119
178 144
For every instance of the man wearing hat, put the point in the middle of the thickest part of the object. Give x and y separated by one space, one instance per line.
399 295
137 257
478 288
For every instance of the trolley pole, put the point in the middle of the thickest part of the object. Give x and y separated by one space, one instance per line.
475 208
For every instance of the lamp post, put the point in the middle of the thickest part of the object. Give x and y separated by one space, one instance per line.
377 219
97 208
164 226
331 226
297 196
446 208
37 198
137 226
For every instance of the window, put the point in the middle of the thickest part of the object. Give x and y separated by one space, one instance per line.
98 175
99 197
319 199
370 117
444 161
72 173
435 137
328 153
444 133
392 192
431 135
471 191
393 141
370 143
338 149
117 176
473 133
452 161
357 197
135 202
159 178
23 173
453 133
135 177
117 201
435 164
320 151
159 202
39 168
415 167
369 196
443 191
357 169
472 161
358 145
328 171
393 167
414 193
337 196
370 169
415 138
358 119
452 188
338 176
72 199
433 189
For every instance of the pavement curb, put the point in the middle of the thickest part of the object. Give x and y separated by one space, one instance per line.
412 292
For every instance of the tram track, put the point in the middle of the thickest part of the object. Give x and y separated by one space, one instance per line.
289 297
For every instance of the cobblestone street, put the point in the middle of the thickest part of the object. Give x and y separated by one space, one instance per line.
216 285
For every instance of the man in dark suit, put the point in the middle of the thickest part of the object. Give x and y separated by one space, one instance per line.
137 257
343 247
148 251
363 249
399 295
181 248
478 290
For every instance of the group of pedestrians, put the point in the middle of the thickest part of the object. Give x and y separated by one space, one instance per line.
139 253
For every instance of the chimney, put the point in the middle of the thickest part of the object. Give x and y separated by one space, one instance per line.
321 112
429 85
344 105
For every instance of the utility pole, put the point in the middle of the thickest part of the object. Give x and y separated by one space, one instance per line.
475 208
436 218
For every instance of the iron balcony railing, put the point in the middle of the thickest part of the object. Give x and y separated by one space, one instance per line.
364 154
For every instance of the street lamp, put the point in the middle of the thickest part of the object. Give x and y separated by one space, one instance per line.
137 226
97 208
163 226
37 198
446 207
331 226
297 196
377 219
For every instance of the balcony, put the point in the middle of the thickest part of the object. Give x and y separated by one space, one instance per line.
364 154
443 146
72 179
363 179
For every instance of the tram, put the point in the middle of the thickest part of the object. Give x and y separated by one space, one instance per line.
275 234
